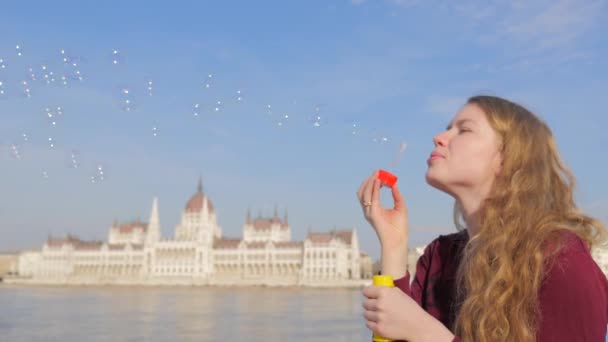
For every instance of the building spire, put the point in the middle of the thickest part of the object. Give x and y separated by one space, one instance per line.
248 220
276 212
200 184
153 229
285 216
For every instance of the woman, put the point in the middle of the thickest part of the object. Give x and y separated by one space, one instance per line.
519 269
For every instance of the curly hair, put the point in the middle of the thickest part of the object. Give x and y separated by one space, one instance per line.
503 266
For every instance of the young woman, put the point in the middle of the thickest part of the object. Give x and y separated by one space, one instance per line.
519 268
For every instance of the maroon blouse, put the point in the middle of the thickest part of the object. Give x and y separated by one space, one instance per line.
573 298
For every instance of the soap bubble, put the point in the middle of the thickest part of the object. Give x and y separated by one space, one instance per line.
47 76
51 142
402 148
73 160
283 120
99 174
19 50
2 89
239 96
31 75
116 57
25 137
149 88
208 82
54 115
218 106
316 119
126 99
27 91
45 175
196 110
2 65
155 131
15 152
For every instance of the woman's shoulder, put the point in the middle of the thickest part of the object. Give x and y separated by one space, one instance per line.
457 238
567 242
447 244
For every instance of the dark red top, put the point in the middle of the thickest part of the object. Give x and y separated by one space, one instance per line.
573 298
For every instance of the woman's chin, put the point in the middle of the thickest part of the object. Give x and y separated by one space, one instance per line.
434 181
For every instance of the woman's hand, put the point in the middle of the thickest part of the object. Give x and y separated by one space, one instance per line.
391 225
394 315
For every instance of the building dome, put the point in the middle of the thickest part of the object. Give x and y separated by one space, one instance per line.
195 204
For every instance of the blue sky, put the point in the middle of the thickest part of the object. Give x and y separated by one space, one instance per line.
396 69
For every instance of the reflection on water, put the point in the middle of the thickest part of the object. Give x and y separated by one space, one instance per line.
180 314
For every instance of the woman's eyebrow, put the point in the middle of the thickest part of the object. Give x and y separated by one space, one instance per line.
459 122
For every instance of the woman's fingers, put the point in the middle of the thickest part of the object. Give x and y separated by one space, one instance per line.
398 199
362 189
376 193
370 304
370 316
369 187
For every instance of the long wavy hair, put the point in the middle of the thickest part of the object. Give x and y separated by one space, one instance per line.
531 202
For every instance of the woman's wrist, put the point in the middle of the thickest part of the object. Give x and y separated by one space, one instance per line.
434 331
394 261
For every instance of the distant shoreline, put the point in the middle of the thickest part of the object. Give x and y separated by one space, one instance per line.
8 282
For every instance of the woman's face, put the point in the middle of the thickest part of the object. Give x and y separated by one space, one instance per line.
467 157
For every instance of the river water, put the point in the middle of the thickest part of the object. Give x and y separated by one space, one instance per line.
70 314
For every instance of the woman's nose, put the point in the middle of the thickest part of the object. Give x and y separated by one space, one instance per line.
440 139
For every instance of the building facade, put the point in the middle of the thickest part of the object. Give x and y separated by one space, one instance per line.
198 254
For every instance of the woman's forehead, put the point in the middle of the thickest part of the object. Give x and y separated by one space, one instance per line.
469 113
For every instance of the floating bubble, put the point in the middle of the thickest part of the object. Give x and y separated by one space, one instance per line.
149 88
45 175
51 142
218 106
27 91
208 82
402 148
2 91
54 114
239 96
155 131
379 138
283 120
316 119
196 110
126 99
74 159
25 137
69 60
2 65
19 50
14 152
99 175
31 75
116 57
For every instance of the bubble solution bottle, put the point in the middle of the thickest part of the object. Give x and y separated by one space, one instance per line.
382 280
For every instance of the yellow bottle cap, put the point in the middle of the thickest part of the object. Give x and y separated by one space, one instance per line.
380 339
383 280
